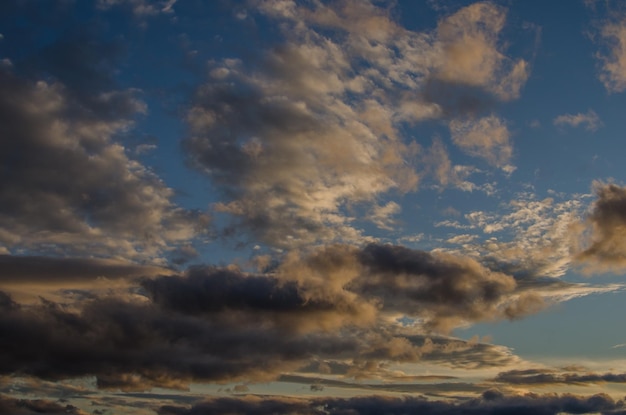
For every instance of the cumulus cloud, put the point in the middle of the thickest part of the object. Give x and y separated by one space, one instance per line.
604 248
470 53
314 132
339 303
137 346
589 120
68 187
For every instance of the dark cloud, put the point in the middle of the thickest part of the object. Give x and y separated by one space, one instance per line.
607 248
547 377
264 299
491 402
67 187
140 345
217 325
442 288
331 306
55 270
399 387
15 406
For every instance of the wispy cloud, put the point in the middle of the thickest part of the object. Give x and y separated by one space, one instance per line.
589 120
486 137
613 61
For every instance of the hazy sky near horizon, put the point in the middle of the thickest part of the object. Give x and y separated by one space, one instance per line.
325 207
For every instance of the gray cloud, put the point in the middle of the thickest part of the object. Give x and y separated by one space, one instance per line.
606 248
68 187
214 324
491 402
264 300
52 270
334 304
15 406
547 377
138 346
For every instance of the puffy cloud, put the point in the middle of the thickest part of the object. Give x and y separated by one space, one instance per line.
312 138
590 120
605 248
291 165
443 289
68 187
140 345
265 299
486 137
470 51
335 304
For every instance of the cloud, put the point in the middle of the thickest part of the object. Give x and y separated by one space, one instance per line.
613 61
442 289
338 304
28 278
605 248
590 120
137 345
9 405
527 236
265 299
470 52
547 377
141 8
381 216
491 402
309 141
42 270
67 187
486 137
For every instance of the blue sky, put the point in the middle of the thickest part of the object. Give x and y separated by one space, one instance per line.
281 206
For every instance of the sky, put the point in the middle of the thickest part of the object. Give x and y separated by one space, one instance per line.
312 207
